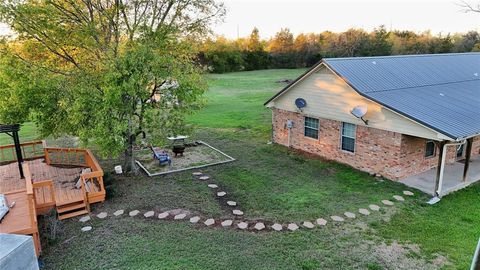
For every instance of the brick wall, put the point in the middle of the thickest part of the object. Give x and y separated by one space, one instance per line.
393 155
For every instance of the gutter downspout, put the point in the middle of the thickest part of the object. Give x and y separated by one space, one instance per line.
438 192
476 258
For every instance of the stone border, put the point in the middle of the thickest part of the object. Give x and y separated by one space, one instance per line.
230 159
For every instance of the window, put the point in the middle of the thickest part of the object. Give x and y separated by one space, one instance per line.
348 137
429 149
311 127
460 151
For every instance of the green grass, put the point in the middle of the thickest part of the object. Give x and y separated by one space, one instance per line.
269 182
235 100
28 132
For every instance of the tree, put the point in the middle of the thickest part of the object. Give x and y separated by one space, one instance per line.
107 71
380 44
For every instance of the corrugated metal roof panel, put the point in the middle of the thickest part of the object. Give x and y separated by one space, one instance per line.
441 91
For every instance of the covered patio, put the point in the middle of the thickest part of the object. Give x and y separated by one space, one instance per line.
452 178
449 177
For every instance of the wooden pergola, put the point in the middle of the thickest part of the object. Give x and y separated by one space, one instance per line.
12 131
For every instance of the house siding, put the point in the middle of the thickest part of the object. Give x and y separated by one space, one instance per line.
391 154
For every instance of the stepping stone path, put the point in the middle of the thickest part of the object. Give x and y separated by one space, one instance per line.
179 216
118 213
84 219
337 218
292 227
374 207
209 222
308 224
86 228
102 215
133 213
163 215
231 203
149 214
242 225
364 211
197 173
398 198
212 186
221 193
195 219
227 223
259 226
277 227
387 202
321 222
350 215
407 193
204 177
237 212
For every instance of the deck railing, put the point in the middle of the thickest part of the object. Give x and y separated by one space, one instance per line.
92 182
30 150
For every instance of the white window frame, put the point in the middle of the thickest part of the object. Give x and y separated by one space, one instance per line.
305 127
354 137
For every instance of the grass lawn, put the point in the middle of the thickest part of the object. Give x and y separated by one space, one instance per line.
273 183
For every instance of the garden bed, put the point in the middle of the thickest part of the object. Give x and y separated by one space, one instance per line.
194 157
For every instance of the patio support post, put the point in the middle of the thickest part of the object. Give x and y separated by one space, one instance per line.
467 158
439 166
18 151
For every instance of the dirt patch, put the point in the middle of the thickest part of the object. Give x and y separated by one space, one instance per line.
194 156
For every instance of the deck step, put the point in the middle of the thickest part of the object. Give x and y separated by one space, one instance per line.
71 207
66 203
72 214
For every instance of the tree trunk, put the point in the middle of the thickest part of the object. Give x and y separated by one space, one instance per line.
129 162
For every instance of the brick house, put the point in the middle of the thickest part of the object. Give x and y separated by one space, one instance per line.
418 113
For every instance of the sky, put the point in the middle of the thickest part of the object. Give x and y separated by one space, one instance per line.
303 16
440 16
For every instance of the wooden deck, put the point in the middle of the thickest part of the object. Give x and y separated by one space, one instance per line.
50 178
63 178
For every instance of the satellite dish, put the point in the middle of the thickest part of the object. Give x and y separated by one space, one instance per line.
360 111
300 103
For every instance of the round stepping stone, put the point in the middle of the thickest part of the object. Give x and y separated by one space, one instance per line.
102 215
374 207
337 218
277 227
197 173
259 226
242 225
350 215
149 214
86 228
212 186
231 203
195 219
84 219
407 193
179 216
364 211
308 224
321 222
237 212
387 202
398 198
133 213
227 223
163 215
292 227
118 213
204 177
221 193
209 222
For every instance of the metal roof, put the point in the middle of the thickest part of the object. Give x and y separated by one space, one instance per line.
441 91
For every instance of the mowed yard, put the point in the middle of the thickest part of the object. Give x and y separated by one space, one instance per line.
271 183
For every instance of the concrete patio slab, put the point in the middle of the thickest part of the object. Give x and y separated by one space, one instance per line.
452 179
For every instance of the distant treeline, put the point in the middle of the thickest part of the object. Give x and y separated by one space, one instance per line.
286 51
